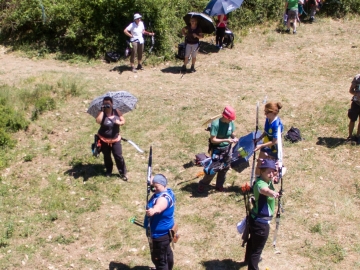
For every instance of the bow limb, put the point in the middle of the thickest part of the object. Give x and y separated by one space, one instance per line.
149 171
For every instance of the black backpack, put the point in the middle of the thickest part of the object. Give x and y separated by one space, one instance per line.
293 135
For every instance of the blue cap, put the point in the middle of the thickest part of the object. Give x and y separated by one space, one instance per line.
267 163
160 179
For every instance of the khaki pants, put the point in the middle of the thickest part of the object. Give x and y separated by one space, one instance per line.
137 49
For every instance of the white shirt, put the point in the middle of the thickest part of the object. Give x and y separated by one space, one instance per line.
137 31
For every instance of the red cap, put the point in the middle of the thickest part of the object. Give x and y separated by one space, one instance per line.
229 113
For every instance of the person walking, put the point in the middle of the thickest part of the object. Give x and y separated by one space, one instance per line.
292 8
268 149
221 137
135 31
192 35
160 213
261 214
110 121
314 7
220 30
354 111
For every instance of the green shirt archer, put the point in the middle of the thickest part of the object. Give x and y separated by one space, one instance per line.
222 130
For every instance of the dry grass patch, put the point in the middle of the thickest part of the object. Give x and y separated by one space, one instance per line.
58 211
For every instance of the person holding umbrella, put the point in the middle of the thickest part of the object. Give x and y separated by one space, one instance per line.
135 31
192 35
160 213
261 214
110 121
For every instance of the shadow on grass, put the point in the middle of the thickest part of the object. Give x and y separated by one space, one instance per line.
193 188
173 70
121 266
227 264
121 69
330 142
86 171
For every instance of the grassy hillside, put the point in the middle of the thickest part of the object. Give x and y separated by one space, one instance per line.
59 211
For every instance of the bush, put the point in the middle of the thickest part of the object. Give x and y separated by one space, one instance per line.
71 28
44 103
10 120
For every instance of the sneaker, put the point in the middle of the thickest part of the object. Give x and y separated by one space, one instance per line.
123 177
134 70
140 67
294 32
220 189
192 69
183 68
287 31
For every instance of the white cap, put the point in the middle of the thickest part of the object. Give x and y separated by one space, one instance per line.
137 16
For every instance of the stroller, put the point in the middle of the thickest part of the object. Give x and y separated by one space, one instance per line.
228 39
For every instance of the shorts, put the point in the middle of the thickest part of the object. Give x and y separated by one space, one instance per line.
292 15
271 152
354 112
191 49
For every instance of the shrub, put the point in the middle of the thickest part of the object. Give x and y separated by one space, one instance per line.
71 28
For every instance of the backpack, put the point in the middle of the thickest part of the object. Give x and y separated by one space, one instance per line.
112 57
293 135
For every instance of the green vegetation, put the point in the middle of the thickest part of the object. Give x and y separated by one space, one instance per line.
15 103
71 28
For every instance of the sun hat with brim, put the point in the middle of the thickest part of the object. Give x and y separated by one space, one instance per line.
229 113
137 16
267 163
160 179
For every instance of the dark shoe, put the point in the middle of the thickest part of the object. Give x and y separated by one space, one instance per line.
351 140
123 177
140 67
287 31
108 174
192 69
220 189
183 68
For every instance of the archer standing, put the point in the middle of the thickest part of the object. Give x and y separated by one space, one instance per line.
135 31
161 209
110 121
220 30
221 137
269 149
354 111
192 35
261 214
292 9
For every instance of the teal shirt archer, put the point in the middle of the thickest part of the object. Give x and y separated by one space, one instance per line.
293 4
222 130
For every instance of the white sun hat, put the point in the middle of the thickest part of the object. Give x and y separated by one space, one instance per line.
137 16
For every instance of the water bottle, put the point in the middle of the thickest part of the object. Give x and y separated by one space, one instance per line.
242 152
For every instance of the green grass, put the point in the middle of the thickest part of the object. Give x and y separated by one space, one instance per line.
51 185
